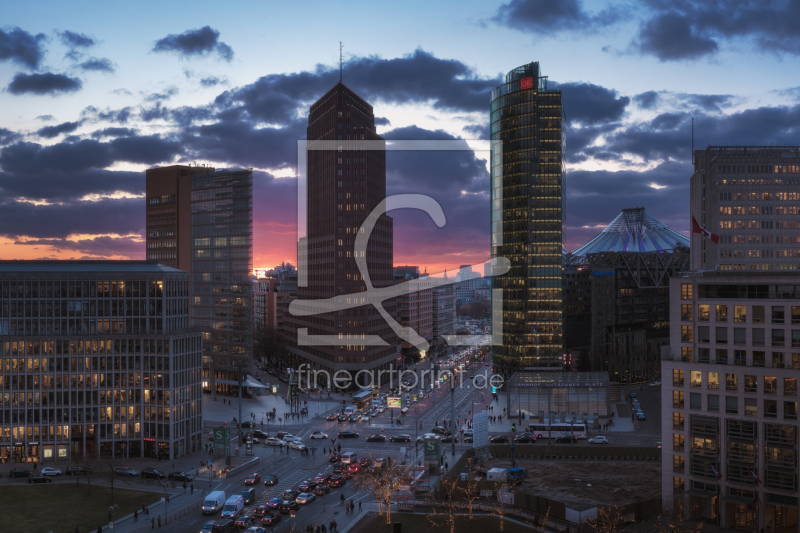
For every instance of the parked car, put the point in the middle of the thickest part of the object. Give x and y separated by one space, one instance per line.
306 497
640 416
270 479
50 471
348 435
400 438
600 439
39 478
376 438
180 476
654 384
153 473
78 471
318 435
19 472
123 471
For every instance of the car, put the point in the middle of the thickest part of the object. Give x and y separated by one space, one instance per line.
335 457
260 434
330 417
400 438
600 439
123 471
365 462
78 471
180 476
270 479
338 468
376 438
153 473
343 417
353 468
273 503
632 394
208 526
448 439
321 490
271 519
252 479
260 510
19 472
318 435
38 478
355 417
427 436
247 424
336 482
287 506
566 439
290 494
255 529
499 439
274 441
348 435
322 478
525 438
347 474
640 416
306 486
244 521
306 497
290 438
381 408
468 439
439 430
50 471
297 445
373 413
654 384
468 433
487 364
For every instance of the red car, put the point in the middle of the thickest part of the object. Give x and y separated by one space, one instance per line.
307 486
252 479
353 468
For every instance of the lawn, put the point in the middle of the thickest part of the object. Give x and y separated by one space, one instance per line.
418 523
59 507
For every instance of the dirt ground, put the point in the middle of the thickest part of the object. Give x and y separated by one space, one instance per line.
583 484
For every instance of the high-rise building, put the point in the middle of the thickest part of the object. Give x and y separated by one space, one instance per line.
344 185
104 364
748 196
466 285
168 224
415 305
729 399
200 220
526 219
444 311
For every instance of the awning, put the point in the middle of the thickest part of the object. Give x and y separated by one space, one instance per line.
700 493
782 501
738 500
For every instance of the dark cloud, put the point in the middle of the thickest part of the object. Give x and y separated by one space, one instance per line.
21 47
98 64
119 116
382 121
588 103
646 100
162 96
49 132
113 132
46 83
545 16
690 29
213 81
198 42
76 40
707 102
477 131
157 112
147 150
7 136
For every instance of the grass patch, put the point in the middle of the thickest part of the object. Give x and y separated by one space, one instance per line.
418 523
59 507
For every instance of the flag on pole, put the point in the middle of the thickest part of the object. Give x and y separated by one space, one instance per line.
697 228
758 481
716 474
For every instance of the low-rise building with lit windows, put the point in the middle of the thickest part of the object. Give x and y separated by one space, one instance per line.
97 359
729 399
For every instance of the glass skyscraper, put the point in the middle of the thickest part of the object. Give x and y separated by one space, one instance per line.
527 203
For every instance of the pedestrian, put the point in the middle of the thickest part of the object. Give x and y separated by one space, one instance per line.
144 507
136 515
152 523
446 466
335 526
99 529
34 466
191 488
77 530
159 517
359 507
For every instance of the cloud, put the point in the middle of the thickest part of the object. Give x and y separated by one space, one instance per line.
76 40
160 97
791 92
646 100
45 118
122 91
588 103
198 42
113 132
707 102
98 64
671 36
547 17
46 83
7 136
21 47
213 81
382 121
120 116
104 246
49 132
477 131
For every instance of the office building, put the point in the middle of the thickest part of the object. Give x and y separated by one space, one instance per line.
748 196
729 399
444 311
415 307
467 282
98 360
344 185
526 219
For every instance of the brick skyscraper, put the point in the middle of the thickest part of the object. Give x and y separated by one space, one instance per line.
344 185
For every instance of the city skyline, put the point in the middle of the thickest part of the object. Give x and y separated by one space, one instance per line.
85 111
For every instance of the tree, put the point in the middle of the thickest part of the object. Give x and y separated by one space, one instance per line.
470 493
105 469
382 482
269 343
447 493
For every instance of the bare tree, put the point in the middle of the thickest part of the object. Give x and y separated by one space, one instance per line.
447 494
381 482
470 493
104 468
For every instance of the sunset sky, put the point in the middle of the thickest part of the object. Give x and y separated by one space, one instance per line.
94 93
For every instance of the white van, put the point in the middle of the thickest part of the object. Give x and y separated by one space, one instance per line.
214 502
233 507
349 458
350 409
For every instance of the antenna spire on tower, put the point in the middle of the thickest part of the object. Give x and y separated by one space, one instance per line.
340 61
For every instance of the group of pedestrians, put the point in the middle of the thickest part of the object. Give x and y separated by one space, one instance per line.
333 527
349 507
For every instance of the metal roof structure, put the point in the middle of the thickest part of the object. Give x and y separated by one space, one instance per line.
634 230
40 265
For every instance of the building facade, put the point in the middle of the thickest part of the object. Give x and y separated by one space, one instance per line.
527 219
750 196
729 399
444 311
415 306
98 360
346 181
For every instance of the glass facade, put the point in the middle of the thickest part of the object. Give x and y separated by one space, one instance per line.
222 262
527 219
579 394
97 360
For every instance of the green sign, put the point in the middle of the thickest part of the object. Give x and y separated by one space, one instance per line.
431 449
222 437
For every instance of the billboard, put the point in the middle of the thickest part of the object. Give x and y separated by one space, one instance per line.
394 401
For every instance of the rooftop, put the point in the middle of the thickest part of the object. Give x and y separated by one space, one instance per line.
558 379
52 265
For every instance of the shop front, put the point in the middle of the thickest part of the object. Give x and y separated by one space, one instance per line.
703 502
780 513
741 510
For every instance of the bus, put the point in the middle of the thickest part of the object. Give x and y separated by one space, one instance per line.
542 430
363 398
